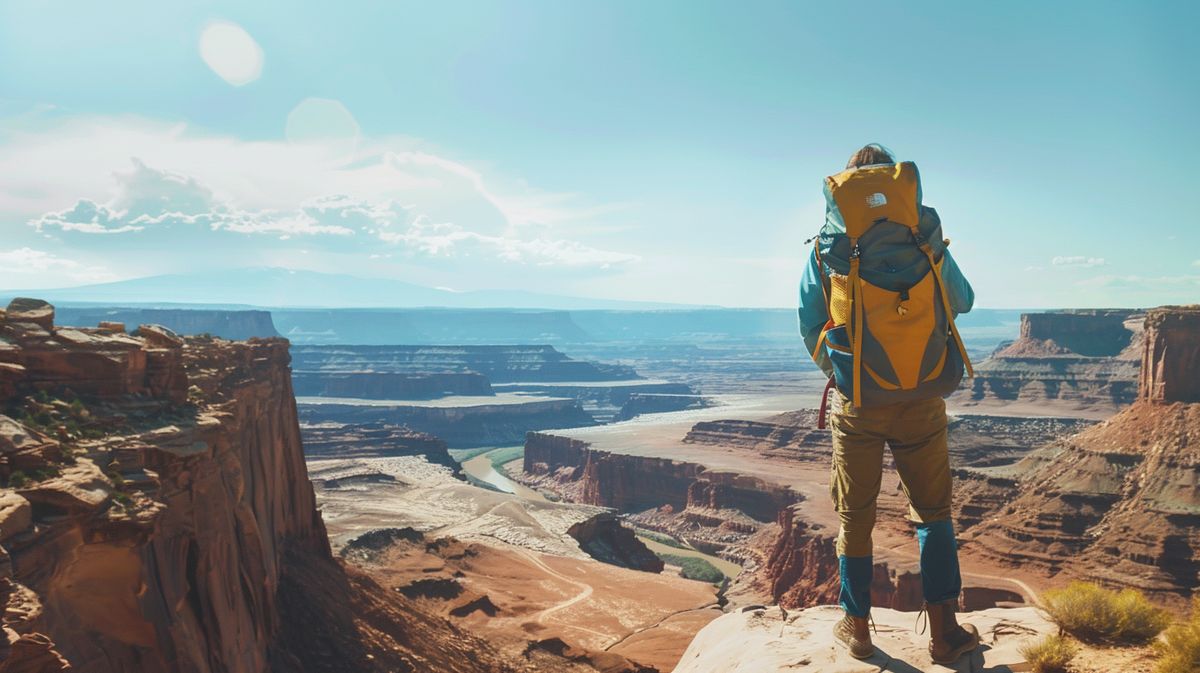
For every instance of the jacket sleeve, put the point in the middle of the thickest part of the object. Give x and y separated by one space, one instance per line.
813 313
962 297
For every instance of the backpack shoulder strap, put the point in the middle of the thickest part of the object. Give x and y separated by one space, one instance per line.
936 268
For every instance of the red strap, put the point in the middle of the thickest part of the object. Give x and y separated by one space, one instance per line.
824 404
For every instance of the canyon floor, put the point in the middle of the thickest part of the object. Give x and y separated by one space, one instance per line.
504 566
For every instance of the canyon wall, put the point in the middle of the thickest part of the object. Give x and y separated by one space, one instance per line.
1086 358
134 536
157 516
1117 502
1171 361
635 483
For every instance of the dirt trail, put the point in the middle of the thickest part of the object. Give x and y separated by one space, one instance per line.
586 591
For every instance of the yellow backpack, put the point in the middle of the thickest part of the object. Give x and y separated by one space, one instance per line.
891 323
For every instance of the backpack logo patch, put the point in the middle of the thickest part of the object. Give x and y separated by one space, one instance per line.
876 200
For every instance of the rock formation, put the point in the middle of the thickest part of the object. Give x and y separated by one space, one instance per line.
476 424
605 539
1086 358
498 363
655 403
158 516
775 640
1117 502
348 440
634 483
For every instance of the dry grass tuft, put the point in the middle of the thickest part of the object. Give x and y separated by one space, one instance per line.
1096 615
1179 650
1050 654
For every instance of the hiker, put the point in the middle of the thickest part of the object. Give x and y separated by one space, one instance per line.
877 305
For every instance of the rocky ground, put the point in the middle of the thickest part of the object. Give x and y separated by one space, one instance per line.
774 640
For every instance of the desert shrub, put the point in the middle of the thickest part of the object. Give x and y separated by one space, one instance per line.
17 479
1050 654
1097 615
1179 649
695 568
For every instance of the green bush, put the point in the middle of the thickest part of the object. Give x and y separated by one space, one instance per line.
1179 649
695 568
1050 654
17 479
1097 615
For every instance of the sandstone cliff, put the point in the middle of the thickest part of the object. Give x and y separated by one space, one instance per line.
1117 502
1086 359
157 516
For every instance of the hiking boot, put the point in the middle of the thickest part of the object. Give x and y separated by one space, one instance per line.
948 640
852 632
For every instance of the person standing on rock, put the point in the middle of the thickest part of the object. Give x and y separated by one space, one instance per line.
878 300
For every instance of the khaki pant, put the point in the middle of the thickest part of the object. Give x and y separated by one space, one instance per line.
916 433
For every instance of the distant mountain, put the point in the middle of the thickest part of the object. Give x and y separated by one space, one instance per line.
276 287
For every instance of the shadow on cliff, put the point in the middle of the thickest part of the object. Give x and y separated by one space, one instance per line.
338 620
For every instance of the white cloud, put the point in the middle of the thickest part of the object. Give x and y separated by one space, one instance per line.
148 200
1078 260
231 52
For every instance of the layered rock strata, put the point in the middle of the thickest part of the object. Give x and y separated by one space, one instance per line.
498 363
1085 358
1117 502
481 423
347 440
157 517
655 403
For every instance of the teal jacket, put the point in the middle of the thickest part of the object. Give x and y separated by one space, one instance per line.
813 313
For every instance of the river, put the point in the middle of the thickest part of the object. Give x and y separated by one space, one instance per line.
480 467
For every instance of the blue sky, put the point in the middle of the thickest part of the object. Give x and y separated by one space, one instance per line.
666 151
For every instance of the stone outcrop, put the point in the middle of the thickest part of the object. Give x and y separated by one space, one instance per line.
390 385
1087 358
498 363
35 355
1117 502
605 539
145 532
775 640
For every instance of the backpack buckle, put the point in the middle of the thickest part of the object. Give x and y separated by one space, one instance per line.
856 251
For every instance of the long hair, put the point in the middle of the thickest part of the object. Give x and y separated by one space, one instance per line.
869 155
